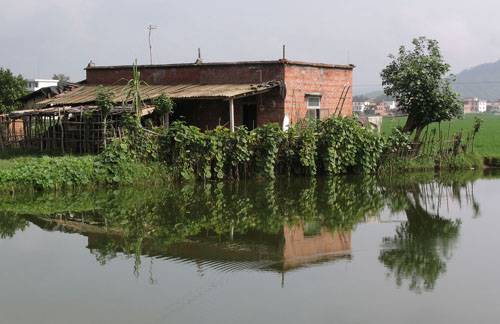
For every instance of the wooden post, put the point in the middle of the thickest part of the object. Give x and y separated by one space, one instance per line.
61 118
80 126
231 114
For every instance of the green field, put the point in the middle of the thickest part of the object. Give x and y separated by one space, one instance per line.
487 141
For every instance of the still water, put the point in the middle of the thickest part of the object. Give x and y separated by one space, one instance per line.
413 249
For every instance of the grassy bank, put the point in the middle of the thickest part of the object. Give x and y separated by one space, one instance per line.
461 162
487 142
331 147
68 172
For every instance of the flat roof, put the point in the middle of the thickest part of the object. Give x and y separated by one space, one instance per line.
181 65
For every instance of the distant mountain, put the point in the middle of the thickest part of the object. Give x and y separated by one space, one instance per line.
374 95
482 81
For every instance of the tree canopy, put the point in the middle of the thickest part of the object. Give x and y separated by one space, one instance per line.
11 89
417 79
164 106
61 77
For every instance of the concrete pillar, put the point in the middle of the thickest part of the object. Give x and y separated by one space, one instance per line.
231 115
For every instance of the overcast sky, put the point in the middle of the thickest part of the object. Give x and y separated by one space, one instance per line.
40 38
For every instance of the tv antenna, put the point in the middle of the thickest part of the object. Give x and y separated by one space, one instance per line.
150 29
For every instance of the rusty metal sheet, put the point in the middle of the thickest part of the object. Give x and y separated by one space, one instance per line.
86 94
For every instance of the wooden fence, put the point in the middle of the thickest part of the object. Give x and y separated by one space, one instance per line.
65 130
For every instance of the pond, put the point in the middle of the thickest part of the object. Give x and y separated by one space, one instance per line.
411 249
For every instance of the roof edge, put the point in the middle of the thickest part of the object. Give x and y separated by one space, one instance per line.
182 65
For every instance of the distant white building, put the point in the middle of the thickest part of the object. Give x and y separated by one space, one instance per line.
475 105
37 84
390 105
360 106
482 106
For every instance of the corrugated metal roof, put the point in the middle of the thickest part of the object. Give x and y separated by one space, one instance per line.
86 94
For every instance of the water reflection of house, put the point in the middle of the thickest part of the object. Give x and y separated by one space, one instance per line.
294 247
301 248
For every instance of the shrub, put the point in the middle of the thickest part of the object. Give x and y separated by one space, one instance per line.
299 149
182 147
50 173
345 146
266 147
239 152
337 145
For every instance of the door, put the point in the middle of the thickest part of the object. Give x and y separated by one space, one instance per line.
250 116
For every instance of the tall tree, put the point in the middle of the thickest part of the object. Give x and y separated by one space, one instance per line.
11 89
61 77
417 79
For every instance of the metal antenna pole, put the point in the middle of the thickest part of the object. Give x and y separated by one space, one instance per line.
150 29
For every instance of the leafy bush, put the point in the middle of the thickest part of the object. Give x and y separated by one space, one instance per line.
182 146
164 107
299 149
50 173
333 146
266 147
370 147
239 152
345 146
118 164
337 145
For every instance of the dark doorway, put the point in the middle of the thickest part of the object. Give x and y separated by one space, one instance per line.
250 116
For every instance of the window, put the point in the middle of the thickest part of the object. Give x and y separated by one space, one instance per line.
313 107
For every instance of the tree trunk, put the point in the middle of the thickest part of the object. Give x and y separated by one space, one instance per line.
410 125
418 132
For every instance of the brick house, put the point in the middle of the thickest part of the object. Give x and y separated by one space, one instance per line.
233 94
307 89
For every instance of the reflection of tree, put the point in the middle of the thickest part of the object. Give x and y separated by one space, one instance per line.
10 224
418 250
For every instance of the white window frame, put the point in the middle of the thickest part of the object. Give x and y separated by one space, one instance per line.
315 108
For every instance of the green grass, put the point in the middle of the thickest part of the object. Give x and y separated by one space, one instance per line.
61 172
487 142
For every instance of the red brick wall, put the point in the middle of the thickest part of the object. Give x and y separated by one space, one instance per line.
207 74
328 82
271 109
